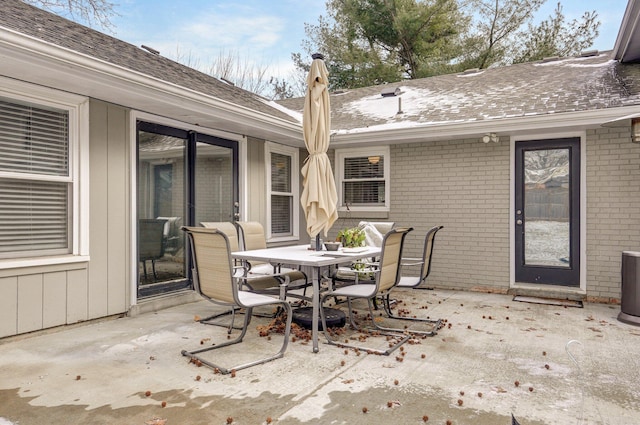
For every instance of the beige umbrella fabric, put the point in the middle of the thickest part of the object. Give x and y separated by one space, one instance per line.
319 197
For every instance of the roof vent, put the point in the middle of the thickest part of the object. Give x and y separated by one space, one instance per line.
470 71
550 58
390 92
231 83
589 53
150 49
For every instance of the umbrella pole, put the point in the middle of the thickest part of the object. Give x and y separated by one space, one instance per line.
318 244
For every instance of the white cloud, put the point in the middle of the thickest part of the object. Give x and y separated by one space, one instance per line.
234 32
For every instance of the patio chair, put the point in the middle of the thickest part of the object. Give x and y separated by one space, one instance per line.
416 282
173 241
150 243
213 275
374 231
386 277
230 231
252 236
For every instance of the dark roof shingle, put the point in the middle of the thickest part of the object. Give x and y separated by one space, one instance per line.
530 89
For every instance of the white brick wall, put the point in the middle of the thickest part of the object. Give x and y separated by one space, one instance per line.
464 186
613 208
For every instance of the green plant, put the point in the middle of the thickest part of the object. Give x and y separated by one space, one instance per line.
351 237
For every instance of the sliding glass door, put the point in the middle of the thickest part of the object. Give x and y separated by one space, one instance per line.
184 178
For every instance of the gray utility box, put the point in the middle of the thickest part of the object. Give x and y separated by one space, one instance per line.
630 299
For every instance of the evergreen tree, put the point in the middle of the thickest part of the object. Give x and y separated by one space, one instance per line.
369 42
553 37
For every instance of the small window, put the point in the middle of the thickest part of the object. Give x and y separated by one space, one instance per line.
282 188
363 179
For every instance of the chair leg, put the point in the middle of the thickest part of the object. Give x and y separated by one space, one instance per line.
387 308
144 267
153 267
193 355
230 327
401 337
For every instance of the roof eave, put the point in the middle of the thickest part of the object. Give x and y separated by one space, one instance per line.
627 46
538 124
33 60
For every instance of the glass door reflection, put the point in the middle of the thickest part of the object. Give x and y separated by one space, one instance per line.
161 197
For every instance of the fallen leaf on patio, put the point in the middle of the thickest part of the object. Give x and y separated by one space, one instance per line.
499 389
196 318
156 421
595 329
347 381
393 403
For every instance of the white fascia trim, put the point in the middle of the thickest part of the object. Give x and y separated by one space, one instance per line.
430 132
149 87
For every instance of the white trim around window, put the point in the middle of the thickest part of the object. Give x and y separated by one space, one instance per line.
77 174
283 221
374 155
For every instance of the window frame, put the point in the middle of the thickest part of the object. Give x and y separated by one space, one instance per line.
78 175
342 154
294 154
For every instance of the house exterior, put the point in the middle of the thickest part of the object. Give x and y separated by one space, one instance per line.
109 148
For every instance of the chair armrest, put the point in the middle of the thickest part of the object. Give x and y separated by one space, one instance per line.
413 261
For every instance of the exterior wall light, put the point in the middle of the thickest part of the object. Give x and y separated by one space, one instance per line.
490 137
635 130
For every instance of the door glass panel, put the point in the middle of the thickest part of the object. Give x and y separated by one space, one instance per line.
214 185
547 208
160 208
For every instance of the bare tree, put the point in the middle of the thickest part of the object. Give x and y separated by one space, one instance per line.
90 12
244 73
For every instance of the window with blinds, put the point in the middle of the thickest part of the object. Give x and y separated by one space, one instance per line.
35 183
362 178
281 195
364 183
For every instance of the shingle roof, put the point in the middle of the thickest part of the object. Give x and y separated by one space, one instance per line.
530 89
21 17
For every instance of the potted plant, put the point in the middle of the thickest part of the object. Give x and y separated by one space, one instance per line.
351 237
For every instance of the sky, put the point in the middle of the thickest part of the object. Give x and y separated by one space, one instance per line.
266 32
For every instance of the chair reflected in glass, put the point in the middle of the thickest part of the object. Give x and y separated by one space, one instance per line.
215 279
150 243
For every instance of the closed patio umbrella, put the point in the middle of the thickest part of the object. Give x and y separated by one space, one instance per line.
319 198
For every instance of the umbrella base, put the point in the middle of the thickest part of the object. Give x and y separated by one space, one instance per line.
303 317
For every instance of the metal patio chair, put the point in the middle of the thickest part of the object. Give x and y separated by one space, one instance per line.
230 231
416 282
251 235
386 277
215 279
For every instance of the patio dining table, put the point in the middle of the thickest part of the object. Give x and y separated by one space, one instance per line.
310 261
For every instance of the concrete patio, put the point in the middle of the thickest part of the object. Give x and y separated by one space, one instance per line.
493 357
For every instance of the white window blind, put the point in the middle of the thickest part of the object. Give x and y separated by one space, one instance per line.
34 180
364 181
281 194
